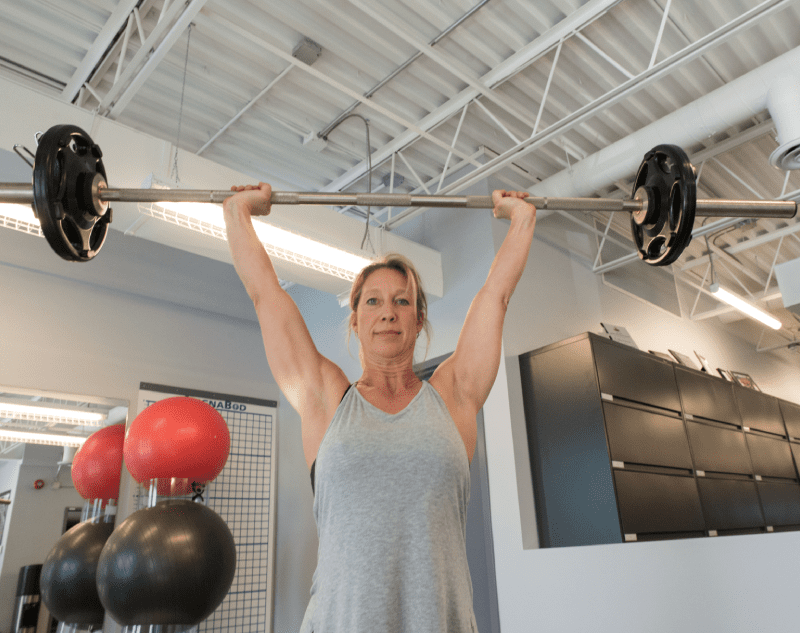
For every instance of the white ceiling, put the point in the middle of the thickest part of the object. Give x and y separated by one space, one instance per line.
445 85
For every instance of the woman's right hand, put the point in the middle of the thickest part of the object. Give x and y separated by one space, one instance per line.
255 198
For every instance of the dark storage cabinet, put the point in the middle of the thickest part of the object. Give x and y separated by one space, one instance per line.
626 446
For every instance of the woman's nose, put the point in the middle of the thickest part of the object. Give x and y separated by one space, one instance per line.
389 313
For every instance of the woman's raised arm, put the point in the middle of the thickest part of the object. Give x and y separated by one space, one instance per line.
309 381
472 369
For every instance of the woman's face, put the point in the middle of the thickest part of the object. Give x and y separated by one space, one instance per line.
386 318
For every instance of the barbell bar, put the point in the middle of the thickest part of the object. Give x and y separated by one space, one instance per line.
70 197
22 193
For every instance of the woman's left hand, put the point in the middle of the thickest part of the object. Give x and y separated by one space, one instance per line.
508 204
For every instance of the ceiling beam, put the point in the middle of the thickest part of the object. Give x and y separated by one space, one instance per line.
148 57
99 47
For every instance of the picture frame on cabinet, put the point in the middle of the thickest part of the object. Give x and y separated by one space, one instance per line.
619 334
725 374
662 355
703 362
744 380
683 359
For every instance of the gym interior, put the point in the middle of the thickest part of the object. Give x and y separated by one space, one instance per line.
561 99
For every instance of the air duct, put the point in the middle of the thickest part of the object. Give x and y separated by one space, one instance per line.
713 113
783 101
788 277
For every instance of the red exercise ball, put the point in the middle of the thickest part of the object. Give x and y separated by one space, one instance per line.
97 465
177 438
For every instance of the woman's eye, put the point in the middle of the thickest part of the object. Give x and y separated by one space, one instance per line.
403 302
371 301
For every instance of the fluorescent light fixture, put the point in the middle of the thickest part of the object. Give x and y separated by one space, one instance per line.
743 306
49 414
297 249
20 217
41 438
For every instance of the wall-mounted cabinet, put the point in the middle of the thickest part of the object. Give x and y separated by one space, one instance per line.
627 446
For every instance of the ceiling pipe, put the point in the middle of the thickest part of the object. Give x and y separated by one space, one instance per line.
711 114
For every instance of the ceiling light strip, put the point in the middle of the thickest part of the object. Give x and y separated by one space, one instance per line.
36 410
41 438
20 218
56 419
207 219
740 304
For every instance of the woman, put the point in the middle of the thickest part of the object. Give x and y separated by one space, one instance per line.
391 452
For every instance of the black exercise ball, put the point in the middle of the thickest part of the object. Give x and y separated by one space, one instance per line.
169 564
68 584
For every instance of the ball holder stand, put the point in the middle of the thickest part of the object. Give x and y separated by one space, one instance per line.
99 510
174 489
70 197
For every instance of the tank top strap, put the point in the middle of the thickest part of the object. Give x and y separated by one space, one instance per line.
314 463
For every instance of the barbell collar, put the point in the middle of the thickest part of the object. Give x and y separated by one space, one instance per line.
746 208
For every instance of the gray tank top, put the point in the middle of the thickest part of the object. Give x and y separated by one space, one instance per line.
391 512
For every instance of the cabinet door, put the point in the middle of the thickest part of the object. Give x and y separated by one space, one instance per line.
759 411
781 503
641 437
633 375
708 397
650 503
791 417
730 504
771 457
717 449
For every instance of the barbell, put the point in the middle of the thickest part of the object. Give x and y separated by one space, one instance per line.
70 197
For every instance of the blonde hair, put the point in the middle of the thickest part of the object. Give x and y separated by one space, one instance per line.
400 263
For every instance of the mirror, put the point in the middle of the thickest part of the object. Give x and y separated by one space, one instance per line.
40 433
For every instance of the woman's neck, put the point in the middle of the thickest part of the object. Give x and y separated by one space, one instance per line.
393 381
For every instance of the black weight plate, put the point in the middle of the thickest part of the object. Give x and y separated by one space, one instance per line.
670 182
65 166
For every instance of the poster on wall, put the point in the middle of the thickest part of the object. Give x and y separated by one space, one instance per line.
243 495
